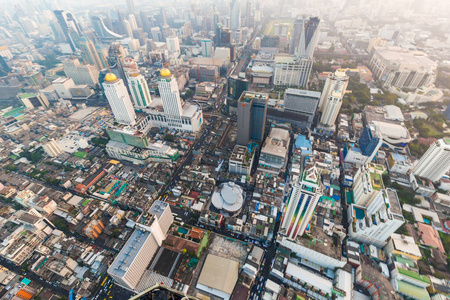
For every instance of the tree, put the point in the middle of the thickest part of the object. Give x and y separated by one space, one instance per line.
116 232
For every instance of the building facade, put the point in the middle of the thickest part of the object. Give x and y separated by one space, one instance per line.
332 97
251 111
119 100
435 162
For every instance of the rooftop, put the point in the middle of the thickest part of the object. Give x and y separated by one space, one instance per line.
219 273
405 244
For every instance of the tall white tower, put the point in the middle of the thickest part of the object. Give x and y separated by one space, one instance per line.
139 89
117 94
235 22
435 162
332 95
170 95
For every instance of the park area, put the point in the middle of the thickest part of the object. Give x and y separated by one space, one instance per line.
269 28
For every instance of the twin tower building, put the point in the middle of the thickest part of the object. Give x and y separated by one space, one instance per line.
168 111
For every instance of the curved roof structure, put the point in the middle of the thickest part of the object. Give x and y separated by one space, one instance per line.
229 197
110 77
165 72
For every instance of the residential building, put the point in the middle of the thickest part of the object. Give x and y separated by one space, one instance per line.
332 97
119 100
301 203
378 220
51 148
435 162
241 160
93 229
173 46
251 113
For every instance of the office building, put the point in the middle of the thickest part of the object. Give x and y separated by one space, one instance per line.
139 89
274 152
394 66
302 102
89 53
62 87
81 74
374 223
116 56
170 95
173 46
34 100
207 48
301 203
70 28
251 117
332 97
157 35
51 148
132 261
304 37
235 15
435 162
369 143
291 71
236 86
119 100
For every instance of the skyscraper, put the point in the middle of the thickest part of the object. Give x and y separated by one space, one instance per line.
236 86
119 100
69 26
139 89
251 117
235 22
130 5
332 96
173 46
301 203
89 53
369 142
170 95
116 55
435 162
304 37
207 48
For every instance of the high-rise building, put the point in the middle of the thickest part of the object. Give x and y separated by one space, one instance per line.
304 37
119 100
89 53
139 89
116 56
81 74
236 86
435 162
173 46
251 120
157 35
70 27
207 48
235 21
102 31
301 203
291 71
375 222
52 148
130 5
170 95
332 97
369 143
133 23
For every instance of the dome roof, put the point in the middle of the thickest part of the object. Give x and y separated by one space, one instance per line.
230 197
165 72
110 77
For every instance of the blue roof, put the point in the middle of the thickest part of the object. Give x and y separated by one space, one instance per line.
398 157
26 281
303 142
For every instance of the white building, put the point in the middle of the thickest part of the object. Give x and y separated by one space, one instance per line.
222 53
81 74
435 162
302 202
207 48
173 46
174 113
241 160
62 87
375 223
291 71
157 152
273 157
117 94
139 89
332 95
132 261
52 149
